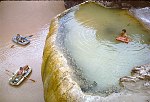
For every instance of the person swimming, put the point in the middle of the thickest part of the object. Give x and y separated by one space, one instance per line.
123 33
123 37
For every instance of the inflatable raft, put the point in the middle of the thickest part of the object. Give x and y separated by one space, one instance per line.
16 79
123 39
24 42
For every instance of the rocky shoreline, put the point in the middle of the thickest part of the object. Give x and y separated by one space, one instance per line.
138 73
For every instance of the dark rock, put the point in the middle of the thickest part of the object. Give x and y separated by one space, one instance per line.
70 3
112 3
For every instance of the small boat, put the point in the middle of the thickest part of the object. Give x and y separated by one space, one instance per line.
123 39
16 79
24 42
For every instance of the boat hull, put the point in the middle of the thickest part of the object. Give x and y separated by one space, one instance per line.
21 77
26 41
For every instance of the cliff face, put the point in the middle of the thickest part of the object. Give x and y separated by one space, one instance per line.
59 85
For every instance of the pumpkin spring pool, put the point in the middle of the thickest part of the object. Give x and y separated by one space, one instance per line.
90 34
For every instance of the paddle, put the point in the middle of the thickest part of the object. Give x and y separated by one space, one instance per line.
22 76
8 74
28 36
24 37
12 46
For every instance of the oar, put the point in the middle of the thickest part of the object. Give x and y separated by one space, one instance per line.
22 76
12 46
8 74
29 36
128 24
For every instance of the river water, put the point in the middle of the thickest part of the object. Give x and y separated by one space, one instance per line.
90 39
26 18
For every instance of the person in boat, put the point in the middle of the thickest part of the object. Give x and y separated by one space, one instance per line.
18 76
25 69
21 71
19 38
123 33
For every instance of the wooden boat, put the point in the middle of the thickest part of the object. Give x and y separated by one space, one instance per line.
24 42
16 79
123 39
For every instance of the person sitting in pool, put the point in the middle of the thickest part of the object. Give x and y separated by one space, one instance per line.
123 36
123 33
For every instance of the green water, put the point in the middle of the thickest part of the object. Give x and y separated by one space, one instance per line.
90 39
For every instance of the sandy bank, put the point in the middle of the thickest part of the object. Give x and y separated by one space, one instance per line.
25 18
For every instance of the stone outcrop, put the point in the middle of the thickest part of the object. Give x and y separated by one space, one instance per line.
138 73
142 14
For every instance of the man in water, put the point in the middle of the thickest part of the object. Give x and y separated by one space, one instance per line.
123 37
123 33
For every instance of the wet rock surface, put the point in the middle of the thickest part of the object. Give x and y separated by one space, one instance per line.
112 3
143 14
137 74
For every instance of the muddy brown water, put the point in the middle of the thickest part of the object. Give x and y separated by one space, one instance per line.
26 18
